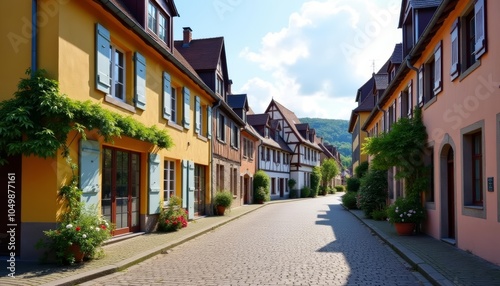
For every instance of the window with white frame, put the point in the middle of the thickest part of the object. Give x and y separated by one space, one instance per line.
117 72
168 180
159 23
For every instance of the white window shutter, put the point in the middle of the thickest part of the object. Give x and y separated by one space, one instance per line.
454 69
480 45
90 155
102 59
437 69
140 81
187 107
420 85
167 100
197 108
209 121
154 194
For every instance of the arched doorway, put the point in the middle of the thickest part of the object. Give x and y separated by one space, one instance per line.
450 167
447 190
246 190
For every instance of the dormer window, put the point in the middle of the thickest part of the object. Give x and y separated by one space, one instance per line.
266 132
158 23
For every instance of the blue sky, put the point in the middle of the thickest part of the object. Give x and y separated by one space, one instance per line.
311 56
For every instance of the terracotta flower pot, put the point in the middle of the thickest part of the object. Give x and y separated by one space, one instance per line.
221 210
77 252
404 228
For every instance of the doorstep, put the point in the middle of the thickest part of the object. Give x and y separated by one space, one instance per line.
122 237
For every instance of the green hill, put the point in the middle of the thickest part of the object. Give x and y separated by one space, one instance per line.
334 132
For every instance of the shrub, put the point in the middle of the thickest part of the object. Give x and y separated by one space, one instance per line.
291 184
323 190
261 179
349 200
353 184
294 194
174 217
379 214
315 181
305 192
407 209
340 188
261 195
361 170
373 191
223 198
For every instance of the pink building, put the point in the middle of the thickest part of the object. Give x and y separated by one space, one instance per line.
451 70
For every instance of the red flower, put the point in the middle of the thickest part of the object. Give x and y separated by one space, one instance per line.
103 226
77 228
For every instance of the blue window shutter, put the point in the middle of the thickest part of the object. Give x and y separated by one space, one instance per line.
154 184
190 190
140 81
185 183
89 170
209 121
167 97
102 59
187 107
197 117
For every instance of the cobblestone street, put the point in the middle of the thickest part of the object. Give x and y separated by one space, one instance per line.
305 242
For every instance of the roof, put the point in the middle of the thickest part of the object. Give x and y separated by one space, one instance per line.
364 90
397 54
381 81
416 4
293 121
237 101
203 54
258 119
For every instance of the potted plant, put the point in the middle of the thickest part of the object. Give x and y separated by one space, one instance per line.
405 214
261 195
223 200
80 232
173 217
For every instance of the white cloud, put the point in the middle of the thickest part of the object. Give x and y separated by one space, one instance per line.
315 65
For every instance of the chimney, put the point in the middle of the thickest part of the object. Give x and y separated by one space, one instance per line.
187 36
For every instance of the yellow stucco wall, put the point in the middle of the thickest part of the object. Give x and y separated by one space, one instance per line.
66 49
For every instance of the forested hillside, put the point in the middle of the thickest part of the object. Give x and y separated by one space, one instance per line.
334 132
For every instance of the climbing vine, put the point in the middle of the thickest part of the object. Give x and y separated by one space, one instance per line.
38 120
403 147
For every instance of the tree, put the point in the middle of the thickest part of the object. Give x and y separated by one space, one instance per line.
315 181
329 170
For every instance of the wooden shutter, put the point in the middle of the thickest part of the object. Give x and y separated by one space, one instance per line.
187 107
420 86
89 170
410 99
102 59
209 122
454 69
185 182
154 184
140 81
167 96
190 186
197 113
438 60
479 18
400 102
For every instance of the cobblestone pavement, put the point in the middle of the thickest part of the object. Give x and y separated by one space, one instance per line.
306 242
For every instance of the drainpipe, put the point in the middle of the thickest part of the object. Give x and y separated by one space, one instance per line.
34 32
409 65
214 111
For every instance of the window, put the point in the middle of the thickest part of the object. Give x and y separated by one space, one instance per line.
158 23
473 165
273 186
221 128
268 154
234 181
168 180
220 177
406 102
152 22
477 174
235 135
219 86
197 115
285 158
117 72
263 153
468 39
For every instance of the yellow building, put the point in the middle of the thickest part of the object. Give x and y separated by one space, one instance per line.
119 54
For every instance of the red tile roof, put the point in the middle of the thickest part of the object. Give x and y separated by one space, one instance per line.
203 54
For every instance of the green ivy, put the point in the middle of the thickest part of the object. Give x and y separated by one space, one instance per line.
38 119
403 147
